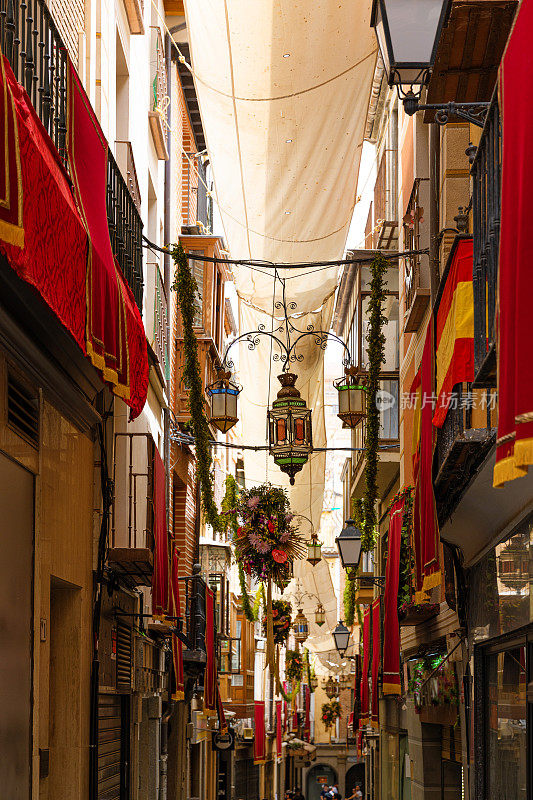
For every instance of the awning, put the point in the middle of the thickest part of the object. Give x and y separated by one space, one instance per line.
283 88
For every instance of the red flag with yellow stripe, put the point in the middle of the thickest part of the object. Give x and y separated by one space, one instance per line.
455 328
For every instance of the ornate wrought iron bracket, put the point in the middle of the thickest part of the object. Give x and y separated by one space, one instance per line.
475 113
287 329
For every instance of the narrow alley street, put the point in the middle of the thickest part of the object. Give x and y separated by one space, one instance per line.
265 402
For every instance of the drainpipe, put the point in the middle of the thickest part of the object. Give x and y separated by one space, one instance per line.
163 757
166 269
434 175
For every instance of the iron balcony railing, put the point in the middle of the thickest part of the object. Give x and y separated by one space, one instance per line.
38 57
160 323
132 511
486 175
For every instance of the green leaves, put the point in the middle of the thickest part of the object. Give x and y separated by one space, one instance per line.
186 290
376 356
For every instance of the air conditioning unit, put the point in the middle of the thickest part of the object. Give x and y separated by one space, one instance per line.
248 734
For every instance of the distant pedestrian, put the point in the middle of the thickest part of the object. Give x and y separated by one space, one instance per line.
297 794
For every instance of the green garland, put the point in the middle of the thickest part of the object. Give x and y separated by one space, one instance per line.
376 356
349 602
359 615
187 289
407 561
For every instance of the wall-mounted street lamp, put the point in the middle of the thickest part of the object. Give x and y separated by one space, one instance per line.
408 34
341 637
349 545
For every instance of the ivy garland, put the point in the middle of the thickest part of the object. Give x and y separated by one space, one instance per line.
376 356
187 290
349 602
407 561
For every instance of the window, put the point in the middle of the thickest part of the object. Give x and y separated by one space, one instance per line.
506 732
236 651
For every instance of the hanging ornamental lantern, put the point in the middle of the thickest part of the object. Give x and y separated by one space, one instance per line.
290 438
320 615
300 627
345 681
352 398
314 550
331 688
223 394
313 682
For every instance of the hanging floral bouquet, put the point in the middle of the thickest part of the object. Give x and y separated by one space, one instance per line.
294 666
330 713
266 542
281 619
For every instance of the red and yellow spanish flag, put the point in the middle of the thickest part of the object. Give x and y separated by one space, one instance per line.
425 524
455 328
514 443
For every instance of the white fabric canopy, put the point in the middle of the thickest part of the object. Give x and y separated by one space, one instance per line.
283 88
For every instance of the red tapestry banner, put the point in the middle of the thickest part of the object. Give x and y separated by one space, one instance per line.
514 453
41 233
115 338
454 329
11 190
222 724
279 731
210 677
364 712
177 646
391 626
161 592
307 710
376 660
425 525
259 732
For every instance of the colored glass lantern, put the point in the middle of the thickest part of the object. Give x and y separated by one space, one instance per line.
352 398
314 550
300 627
223 396
290 438
320 615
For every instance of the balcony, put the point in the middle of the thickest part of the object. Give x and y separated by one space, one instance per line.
416 279
486 201
38 57
386 200
131 548
192 624
463 443
149 674
126 163
157 117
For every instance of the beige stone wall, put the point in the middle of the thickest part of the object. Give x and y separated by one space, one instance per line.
63 597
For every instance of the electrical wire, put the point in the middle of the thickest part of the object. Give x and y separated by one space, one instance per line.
253 264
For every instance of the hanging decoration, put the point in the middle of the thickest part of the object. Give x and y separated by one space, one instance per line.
294 666
433 682
352 397
281 621
290 436
266 542
330 713
376 355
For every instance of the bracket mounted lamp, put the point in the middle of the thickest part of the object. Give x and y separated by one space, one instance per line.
408 34
290 437
223 395
349 545
341 637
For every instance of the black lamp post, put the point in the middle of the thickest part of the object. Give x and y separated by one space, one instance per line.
349 545
408 34
341 637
